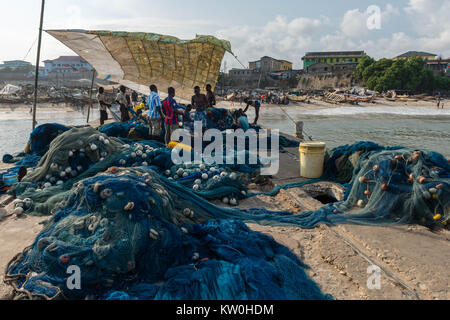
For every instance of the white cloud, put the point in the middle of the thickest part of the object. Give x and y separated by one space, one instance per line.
354 23
430 19
295 27
280 38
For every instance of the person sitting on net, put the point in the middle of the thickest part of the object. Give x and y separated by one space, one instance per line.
242 120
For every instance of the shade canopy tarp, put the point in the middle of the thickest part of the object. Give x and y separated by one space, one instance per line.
137 59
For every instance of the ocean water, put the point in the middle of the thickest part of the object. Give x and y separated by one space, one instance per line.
15 126
416 127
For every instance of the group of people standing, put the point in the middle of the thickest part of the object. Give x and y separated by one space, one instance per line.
165 113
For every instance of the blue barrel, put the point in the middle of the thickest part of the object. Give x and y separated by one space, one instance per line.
10 178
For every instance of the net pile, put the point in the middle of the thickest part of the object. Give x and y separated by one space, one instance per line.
384 185
85 152
141 227
219 118
42 136
134 235
396 184
37 146
132 129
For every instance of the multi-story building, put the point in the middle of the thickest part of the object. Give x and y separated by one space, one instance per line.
67 64
332 61
439 67
240 73
15 64
410 54
268 64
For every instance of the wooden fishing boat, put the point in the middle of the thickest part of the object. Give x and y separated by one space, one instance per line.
293 97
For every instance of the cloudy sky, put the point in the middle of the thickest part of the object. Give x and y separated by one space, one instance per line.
284 29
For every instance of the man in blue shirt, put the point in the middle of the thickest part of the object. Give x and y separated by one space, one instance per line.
155 114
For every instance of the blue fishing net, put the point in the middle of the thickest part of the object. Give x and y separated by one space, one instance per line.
134 236
138 228
383 185
43 135
132 129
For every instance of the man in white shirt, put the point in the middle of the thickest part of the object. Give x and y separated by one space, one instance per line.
121 99
102 105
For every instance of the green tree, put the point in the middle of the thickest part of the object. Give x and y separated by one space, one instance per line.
363 64
385 74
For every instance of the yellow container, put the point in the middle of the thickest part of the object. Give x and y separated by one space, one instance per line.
312 156
174 144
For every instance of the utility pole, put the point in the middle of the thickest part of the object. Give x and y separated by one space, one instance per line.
38 58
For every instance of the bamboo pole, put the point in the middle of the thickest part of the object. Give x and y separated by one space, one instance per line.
38 58
90 95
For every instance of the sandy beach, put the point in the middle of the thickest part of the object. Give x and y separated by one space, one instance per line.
377 103
314 103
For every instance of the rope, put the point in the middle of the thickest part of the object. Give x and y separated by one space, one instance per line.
290 118
30 49
239 61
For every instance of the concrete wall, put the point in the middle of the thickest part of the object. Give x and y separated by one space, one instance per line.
326 81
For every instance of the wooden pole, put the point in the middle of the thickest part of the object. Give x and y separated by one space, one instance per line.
38 58
90 95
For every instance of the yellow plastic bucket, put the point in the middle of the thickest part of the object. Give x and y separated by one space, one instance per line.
174 144
312 156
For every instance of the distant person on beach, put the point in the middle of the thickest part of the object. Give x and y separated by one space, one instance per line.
155 115
102 105
210 96
257 105
171 112
122 100
232 99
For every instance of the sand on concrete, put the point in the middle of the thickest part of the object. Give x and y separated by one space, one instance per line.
15 235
